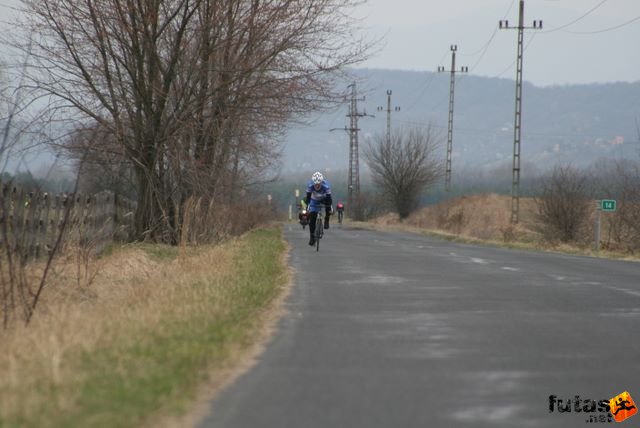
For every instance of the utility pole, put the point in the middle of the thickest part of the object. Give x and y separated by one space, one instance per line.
396 108
452 85
515 187
354 162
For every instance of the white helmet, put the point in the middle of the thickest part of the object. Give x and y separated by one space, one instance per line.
317 178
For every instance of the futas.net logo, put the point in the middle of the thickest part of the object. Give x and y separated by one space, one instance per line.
619 408
622 407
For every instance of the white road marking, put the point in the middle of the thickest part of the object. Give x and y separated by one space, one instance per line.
626 291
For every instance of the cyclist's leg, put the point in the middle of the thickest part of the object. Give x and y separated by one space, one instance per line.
319 230
327 214
319 226
312 227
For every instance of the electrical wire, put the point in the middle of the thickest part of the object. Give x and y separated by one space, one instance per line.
477 131
483 52
484 48
587 13
616 27
426 86
533 36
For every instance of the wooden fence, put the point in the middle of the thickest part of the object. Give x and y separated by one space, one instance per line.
30 222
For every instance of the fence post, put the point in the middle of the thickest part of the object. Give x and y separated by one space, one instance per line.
598 215
31 222
6 204
43 224
18 220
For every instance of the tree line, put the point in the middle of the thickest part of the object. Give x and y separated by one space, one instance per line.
180 99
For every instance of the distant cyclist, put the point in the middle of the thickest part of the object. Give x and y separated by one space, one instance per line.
340 209
318 193
303 214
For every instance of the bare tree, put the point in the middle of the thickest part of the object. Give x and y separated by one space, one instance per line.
404 166
190 89
105 166
563 203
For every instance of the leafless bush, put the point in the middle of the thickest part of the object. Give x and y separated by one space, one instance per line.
366 206
404 166
620 180
208 221
452 220
628 214
564 202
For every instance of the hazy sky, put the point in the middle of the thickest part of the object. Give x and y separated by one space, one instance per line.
582 41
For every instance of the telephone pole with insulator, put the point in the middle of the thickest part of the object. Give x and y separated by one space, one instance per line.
396 108
515 187
452 71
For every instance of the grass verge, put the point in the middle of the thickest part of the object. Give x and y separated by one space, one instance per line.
486 219
137 343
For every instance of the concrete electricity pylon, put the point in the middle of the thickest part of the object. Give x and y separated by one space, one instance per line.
515 187
452 85
396 108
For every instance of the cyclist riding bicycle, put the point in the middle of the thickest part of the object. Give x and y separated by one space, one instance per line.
340 209
303 214
318 193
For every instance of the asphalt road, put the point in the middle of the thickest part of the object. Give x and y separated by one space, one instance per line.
401 330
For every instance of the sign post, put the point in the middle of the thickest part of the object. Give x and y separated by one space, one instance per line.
296 200
603 205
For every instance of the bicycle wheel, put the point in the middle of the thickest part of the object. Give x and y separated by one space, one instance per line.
319 230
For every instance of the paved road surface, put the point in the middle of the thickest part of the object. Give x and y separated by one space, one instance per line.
400 330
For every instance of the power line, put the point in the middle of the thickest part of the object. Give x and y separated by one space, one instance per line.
616 27
533 36
475 131
484 48
587 13
423 90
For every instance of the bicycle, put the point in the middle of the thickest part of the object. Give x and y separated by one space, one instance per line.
340 215
319 226
304 218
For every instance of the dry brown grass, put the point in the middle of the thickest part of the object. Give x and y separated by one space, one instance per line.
209 221
132 346
486 218
132 292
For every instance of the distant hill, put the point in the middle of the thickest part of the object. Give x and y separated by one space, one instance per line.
574 123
